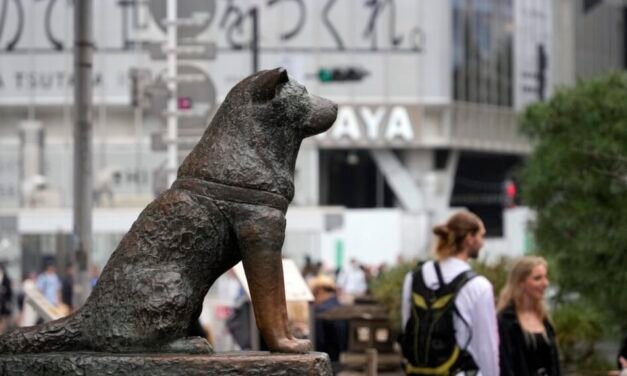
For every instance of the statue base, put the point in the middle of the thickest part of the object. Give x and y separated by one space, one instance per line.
234 363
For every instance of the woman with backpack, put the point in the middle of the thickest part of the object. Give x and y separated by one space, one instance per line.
527 345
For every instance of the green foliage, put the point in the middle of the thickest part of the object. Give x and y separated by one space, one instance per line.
495 273
579 327
387 289
576 180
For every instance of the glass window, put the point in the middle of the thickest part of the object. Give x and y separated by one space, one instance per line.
483 51
350 178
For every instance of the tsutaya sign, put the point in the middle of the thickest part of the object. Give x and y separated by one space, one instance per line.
373 126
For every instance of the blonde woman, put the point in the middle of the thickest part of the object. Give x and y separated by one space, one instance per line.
527 346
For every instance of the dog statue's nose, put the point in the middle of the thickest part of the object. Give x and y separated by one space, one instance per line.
323 115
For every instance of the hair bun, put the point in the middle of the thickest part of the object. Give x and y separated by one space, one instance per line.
441 231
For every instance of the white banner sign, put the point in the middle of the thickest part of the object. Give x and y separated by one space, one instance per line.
403 46
49 79
296 289
373 126
533 51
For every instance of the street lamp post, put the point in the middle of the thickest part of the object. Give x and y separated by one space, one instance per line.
83 111
172 120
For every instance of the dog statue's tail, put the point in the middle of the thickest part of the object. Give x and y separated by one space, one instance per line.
60 335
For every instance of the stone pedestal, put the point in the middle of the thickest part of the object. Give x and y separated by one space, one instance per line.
236 363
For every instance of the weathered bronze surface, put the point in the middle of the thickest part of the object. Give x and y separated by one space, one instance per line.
227 204
223 364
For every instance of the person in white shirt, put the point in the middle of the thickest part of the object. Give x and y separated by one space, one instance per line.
459 240
352 280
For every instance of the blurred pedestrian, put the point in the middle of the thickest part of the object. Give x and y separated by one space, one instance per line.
6 299
67 287
351 281
238 323
306 270
94 274
331 336
27 315
368 276
309 270
528 346
464 337
49 284
622 354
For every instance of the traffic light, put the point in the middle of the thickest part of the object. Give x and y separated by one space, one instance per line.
185 103
510 194
347 74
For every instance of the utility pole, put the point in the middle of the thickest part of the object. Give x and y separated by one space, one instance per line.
172 120
83 111
254 45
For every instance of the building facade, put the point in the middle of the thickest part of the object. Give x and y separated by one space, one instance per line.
428 93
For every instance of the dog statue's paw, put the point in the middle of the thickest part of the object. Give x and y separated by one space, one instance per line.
189 345
292 345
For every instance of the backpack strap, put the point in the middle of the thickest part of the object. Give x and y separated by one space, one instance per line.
467 326
466 361
418 282
438 272
460 281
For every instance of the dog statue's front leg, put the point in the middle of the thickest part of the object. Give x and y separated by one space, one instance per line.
265 279
260 236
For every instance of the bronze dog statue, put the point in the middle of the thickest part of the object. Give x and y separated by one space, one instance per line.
227 204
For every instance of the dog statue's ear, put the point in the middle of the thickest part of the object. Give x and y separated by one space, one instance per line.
265 85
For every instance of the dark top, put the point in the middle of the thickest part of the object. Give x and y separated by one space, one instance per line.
622 352
67 291
331 335
538 352
523 353
6 296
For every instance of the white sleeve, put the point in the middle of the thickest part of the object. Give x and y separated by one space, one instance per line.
406 297
341 279
484 343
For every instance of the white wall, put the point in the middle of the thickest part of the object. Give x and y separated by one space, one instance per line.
372 236
376 236
516 239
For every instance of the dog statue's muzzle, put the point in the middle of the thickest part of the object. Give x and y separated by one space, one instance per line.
324 113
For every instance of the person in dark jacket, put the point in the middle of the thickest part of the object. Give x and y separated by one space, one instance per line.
6 299
331 335
527 338
622 355
67 287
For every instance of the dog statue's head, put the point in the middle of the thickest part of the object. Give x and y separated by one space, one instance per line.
254 137
272 92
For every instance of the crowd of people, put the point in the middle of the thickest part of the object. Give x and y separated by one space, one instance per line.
57 290
511 336
452 323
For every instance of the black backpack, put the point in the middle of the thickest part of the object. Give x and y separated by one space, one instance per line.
428 341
